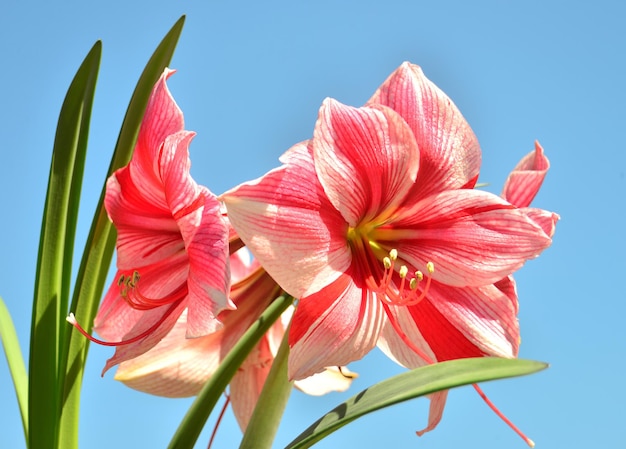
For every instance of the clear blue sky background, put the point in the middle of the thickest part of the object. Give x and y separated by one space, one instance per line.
251 77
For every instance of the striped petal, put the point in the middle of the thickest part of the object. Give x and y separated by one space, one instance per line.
289 225
333 327
472 237
449 151
366 159
526 178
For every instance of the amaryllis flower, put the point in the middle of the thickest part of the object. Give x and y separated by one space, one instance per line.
172 243
374 223
178 367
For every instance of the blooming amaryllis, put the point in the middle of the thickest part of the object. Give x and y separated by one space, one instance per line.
178 367
172 242
374 224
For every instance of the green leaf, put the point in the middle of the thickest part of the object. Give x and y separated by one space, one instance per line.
100 244
413 384
55 253
270 407
191 426
15 360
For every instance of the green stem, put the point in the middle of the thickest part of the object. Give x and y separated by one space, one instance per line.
271 405
191 426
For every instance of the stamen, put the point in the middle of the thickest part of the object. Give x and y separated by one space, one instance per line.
129 290
72 320
402 294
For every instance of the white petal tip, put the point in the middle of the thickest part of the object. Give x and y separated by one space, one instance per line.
71 319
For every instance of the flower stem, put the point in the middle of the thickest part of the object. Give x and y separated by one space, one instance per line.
271 405
191 426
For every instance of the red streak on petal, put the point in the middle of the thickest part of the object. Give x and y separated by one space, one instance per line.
191 207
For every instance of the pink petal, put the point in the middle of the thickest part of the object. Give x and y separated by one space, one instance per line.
334 327
289 225
472 237
366 159
545 219
176 367
449 151
165 315
162 118
116 318
392 343
526 178
247 384
468 322
331 379
435 412
204 233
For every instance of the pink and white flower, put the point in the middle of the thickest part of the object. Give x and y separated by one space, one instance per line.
374 224
172 243
178 367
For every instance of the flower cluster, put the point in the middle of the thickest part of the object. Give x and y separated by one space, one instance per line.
374 225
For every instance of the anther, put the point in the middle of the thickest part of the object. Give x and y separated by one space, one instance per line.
405 293
129 290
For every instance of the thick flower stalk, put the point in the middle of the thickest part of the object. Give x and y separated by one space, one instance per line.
374 224
179 367
172 242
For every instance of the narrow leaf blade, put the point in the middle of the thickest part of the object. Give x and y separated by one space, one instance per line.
15 360
413 384
54 263
100 244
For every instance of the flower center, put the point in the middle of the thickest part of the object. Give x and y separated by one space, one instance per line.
393 283
129 290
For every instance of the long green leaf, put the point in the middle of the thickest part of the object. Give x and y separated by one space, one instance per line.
54 262
270 407
15 360
413 384
101 243
191 426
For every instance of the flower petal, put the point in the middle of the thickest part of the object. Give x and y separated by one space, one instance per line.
449 151
333 327
435 412
393 343
333 378
176 367
545 219
468 322
162 118
526 178
246 385
289 225
116 318
472 237
366 159
159 321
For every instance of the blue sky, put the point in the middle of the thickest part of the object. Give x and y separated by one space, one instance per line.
251 77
